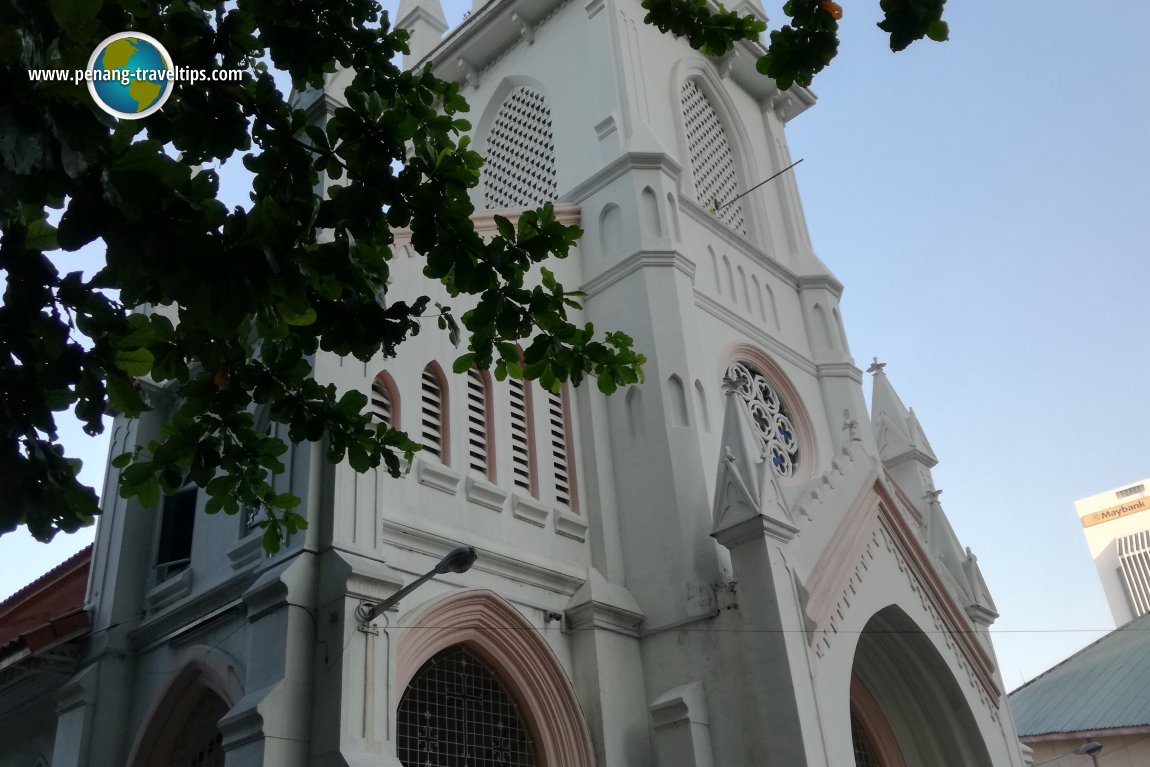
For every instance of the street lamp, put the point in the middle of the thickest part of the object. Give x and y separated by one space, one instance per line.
1091 747
458 560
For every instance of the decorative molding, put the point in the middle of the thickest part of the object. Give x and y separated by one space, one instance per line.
437 475
659 161
177 620
570 525
246 551
483 493
743 245
529 510
636 261
604 606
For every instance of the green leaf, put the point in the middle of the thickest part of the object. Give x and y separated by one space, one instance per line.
134 362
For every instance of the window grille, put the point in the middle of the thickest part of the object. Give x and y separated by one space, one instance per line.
557 418
200 743
773 427
477 423
519 170
177 523
1130 491
1134 560
456 712
381 406
865 753
432 412
712 163
520 437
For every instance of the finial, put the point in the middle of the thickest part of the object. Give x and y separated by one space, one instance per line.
933 495
876 366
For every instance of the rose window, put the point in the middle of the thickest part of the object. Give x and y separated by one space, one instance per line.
774 430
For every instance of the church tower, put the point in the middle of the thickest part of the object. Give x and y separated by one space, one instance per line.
732 563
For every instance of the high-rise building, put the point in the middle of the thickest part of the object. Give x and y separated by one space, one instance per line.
730 564
1117 528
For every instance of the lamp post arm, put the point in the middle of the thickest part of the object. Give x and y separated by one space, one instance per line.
367 615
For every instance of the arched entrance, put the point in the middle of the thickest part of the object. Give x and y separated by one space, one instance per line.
906 706
493 634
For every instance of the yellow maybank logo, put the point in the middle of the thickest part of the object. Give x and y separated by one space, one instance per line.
1114 512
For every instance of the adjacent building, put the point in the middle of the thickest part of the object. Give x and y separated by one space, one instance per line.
1117 528
733 563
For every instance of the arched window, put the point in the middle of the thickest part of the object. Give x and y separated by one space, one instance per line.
712 163
522 447
561 450
385 400
771 417
480 448
433 410
455 711
519 169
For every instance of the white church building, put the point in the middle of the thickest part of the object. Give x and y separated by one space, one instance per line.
731 564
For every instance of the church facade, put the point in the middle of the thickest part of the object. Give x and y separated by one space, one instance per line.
732 563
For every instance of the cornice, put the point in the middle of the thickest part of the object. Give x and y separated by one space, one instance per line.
755 333
736 240
635 262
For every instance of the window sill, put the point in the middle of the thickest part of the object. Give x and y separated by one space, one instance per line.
170 590
437 475
529 510
483 493
570 525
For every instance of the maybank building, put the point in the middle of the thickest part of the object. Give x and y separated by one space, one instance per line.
1117 527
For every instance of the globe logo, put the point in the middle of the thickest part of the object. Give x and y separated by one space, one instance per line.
130 75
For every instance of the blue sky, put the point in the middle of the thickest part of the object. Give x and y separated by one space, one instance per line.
985 202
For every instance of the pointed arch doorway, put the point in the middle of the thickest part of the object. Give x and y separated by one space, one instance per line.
906 706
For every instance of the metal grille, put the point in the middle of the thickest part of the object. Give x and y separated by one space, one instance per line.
520 442
477 422
712 163
455 713
773 427
432 412
200 743
381 401
519 170
1130 491
1134 558
865 753
557 417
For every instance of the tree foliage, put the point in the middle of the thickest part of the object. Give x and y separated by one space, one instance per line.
249 295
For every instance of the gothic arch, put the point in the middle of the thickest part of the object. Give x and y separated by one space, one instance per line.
517 137
384 399
206 673
493 630
796 406
905 693
703 73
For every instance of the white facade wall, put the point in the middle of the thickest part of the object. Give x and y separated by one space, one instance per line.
1106 518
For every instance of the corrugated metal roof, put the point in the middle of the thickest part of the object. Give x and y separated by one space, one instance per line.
1104 685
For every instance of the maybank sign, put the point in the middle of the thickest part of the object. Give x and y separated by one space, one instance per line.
1114 512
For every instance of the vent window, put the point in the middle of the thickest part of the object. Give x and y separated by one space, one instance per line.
522 469
479 449
519 170
433 419
712 163
384 401
560 449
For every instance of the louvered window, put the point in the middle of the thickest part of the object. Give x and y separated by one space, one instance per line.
557 421
1134 559
712 163
519 170
433 418
382 401
478 419
520 436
